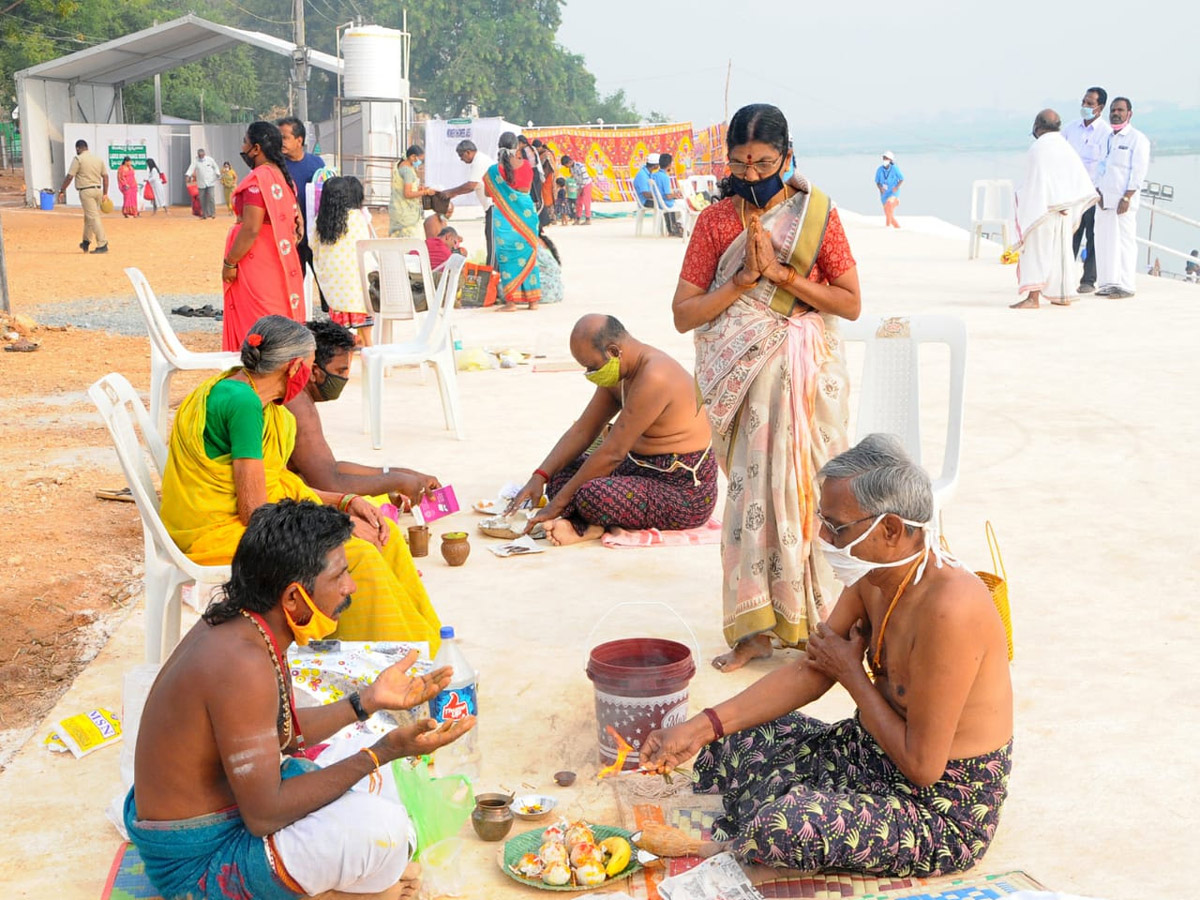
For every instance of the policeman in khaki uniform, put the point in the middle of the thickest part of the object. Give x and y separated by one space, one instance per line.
91 180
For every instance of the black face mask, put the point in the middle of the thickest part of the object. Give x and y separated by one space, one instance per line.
247 159
331 388
758 192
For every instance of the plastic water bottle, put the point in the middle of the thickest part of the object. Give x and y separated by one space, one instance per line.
456 702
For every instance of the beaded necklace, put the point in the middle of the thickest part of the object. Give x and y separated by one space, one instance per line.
287 707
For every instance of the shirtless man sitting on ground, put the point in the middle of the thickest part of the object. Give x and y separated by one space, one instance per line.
653 469
913 784
313 460
213 812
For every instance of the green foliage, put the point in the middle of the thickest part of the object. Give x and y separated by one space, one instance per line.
500 55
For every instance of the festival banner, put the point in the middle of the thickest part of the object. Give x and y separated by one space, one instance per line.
613 155
710 152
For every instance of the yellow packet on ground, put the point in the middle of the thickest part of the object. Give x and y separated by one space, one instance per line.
84 732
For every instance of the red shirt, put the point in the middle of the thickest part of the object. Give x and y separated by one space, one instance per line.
439 251
522 178
719 225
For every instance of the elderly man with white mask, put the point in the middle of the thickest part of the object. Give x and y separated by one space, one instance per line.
1050 203
914 782
1120 182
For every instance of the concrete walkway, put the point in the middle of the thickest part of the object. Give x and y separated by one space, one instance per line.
1079 447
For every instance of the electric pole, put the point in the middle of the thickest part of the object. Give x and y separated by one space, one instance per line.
300 64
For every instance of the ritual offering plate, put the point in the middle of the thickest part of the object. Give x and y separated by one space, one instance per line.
570 856
490 507
511 527
532 807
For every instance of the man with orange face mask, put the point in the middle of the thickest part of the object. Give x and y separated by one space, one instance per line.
212 811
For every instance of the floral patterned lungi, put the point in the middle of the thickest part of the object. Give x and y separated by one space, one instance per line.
803 794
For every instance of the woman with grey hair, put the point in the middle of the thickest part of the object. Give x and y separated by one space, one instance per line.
228 455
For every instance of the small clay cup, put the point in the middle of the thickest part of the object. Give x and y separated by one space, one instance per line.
455 547
418 540
492 817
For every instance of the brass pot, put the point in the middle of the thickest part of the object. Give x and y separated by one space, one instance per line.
492 817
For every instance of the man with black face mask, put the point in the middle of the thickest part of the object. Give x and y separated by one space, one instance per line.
312 459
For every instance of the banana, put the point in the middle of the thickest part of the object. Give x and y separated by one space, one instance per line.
619 852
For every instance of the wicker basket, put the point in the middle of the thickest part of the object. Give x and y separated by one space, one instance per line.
997 585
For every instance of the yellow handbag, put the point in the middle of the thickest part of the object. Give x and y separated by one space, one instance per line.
996 582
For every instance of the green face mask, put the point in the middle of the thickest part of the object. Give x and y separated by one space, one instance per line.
331 387
608 375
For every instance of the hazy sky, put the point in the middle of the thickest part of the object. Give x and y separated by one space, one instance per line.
851 62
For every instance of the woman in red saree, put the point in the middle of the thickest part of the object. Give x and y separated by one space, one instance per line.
127 182
262 271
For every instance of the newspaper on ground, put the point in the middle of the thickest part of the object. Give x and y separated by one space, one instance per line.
718 878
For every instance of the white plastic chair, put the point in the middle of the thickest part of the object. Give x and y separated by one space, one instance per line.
395 289
434 344
167 354
695 184
991 204
168 570
661 209
640 213
890 395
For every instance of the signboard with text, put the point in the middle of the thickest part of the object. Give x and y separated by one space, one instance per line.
135 152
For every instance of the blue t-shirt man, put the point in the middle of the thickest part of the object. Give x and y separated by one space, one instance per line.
662 178
888 177
302 171
641 185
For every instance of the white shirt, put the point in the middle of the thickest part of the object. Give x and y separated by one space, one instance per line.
1089 140
1124 167
476 169
206 172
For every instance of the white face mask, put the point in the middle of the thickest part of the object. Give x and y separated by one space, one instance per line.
849 569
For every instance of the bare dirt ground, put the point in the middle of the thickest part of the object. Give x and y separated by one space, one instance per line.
71 562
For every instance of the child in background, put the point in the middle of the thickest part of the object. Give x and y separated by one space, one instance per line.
572 197
562 207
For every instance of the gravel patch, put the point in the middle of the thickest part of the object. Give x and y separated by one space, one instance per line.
122 315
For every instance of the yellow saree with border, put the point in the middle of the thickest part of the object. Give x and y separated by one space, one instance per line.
199 509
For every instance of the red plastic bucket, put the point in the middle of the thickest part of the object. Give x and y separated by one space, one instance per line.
641 685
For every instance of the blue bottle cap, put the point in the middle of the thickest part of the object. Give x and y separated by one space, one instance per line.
447 632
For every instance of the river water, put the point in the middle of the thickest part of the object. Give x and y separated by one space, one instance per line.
939 184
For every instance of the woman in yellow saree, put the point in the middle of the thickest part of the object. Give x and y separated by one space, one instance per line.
228 455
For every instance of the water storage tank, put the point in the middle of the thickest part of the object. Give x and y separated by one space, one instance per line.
374 64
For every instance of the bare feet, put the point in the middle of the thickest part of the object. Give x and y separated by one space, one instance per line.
533 306
1030 302
1063 302
410 882
507 307
404 889
757 647
561 533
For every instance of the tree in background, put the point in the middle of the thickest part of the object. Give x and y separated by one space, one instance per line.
500 55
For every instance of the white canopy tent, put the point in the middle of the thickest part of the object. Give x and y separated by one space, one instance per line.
86 87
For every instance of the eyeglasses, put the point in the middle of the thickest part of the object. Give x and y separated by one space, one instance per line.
763 167
836 530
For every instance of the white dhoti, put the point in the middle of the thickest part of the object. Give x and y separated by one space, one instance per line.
1047 263
360 843
1055 194
1116 248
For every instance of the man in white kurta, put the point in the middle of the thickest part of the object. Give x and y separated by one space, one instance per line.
1119 183
1049 204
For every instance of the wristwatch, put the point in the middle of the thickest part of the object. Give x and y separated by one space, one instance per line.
360 711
